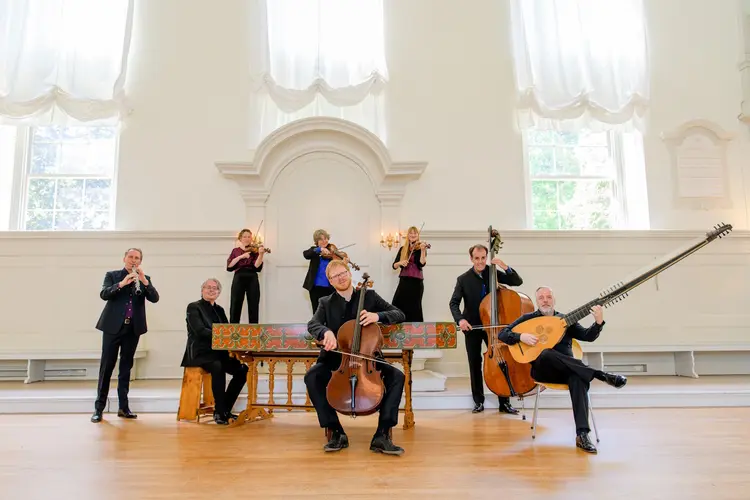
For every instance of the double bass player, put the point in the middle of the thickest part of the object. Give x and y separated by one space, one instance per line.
471 287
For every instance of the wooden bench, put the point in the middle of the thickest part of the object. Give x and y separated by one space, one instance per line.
291 344
196 395
684 355
36 361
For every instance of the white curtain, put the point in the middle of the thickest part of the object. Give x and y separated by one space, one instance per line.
63 61
581 63
317 57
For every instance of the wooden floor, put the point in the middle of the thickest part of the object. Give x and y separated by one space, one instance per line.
644 454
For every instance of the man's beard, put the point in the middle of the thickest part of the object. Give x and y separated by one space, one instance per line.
547 311
342 287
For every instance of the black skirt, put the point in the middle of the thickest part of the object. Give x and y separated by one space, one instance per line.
408 298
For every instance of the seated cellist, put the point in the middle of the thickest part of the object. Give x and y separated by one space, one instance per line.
332 312
558 366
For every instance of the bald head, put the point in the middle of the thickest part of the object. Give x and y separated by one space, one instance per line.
545 300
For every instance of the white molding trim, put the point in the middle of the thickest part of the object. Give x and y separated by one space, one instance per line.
317 135
534 234
445 234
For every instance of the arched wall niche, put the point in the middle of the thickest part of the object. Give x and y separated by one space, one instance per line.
255 178
317 136
320 137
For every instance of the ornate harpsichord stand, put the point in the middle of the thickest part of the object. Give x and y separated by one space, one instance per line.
290 344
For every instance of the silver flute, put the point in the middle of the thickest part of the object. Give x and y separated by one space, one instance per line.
137 282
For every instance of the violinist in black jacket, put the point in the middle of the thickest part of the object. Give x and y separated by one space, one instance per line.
472 286
333 311
319 255
122 322
200 318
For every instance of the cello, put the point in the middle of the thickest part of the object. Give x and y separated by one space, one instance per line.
356 387
503 374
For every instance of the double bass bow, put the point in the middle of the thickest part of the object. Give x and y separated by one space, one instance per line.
503 374
549 330
356 387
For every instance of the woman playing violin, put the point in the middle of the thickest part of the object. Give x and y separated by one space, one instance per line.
246 260
410 259
316 282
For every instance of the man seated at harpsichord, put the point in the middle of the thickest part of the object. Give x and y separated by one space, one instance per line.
200 317
558 366
332 312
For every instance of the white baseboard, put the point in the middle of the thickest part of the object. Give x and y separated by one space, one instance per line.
429 393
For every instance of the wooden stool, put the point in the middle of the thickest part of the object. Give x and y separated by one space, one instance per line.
196 382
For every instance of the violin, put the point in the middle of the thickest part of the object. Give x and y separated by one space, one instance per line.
418 243
338 255
503 375
356 387
255 248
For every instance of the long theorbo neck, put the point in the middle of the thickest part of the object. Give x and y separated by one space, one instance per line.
620 291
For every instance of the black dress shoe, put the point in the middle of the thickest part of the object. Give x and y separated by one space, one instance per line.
478 408
382 444
126 414
507 408
96 417
616 381
231 416
339 441
583 442
221 418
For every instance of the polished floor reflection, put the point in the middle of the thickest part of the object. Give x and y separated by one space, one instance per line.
643 453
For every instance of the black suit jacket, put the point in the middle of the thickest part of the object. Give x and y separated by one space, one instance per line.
113 315
469 288
200 318
333 311
565 346
312 270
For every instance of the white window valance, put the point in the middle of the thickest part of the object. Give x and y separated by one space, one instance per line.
317 57
63 59
579 62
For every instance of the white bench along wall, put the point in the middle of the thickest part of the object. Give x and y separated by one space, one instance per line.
692 320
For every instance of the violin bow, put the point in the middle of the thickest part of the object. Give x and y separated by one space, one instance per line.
257 233
488 327
418 235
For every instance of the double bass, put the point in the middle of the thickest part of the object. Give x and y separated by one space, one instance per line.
356 387
503 375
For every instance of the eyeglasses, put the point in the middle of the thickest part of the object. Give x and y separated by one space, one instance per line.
211 288
339 275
